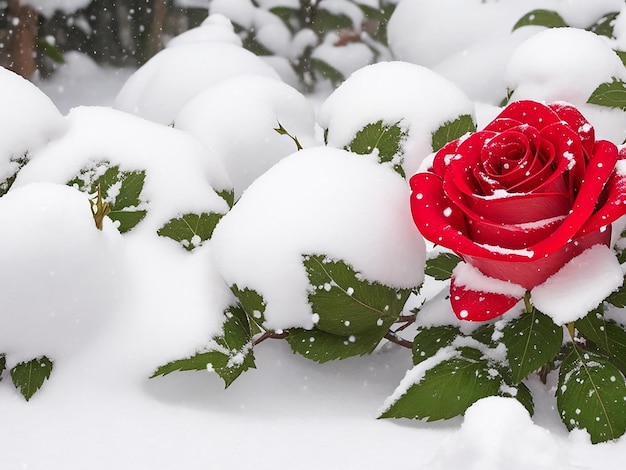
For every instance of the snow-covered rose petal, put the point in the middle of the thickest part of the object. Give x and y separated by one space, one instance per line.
580 286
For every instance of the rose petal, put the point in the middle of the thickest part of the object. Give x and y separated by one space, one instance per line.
577 122
474 305
529 112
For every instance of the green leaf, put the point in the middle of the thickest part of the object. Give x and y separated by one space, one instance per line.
253 305
386 139
610 94
452 130
121 189
548 18
441 267
3 364
321 346
428 341
15 164
532 340
444 389
346 303
590 395
618 298
228 195
28 377
229 355
50 49
608 335
327 71
325 21
604 26
524 396
190 230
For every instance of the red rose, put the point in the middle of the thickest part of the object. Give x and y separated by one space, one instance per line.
519 199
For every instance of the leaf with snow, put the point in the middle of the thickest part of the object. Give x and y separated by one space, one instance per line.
121 189
321 346
532 340
428 341
605 25
618 298
607 335
228 355
444 386
346 303
253 305
539 17
327 71
452 130
28 377
441 266
610 94
386 139
15 165
3 364
591 394
190 230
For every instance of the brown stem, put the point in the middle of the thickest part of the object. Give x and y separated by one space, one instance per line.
394 338
269 335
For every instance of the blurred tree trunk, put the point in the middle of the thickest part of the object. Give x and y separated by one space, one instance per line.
21 54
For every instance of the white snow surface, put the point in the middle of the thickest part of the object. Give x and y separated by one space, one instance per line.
163 85
579 286
237 118
150 301
319 201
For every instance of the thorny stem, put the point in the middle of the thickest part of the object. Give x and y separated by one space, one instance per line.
282 131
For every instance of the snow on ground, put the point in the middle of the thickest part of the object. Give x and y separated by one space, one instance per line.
99 410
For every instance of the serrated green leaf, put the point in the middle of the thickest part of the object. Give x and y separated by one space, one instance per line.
191 230
591 395
228 355
16 165
609 336
387 139
452 130
228 195
610 94
548 18
428 341
532 340
321 346
441 266
253 305
347 304
447 388
28 377
604 26
121 189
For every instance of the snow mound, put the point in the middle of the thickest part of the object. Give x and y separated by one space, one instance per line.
215 28
182 174
498 433
568 64
28 121
163 85
318 201
416 98
247 141
60 275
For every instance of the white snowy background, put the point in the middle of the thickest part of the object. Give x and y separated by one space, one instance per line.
110 308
